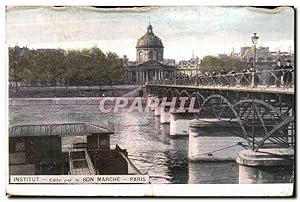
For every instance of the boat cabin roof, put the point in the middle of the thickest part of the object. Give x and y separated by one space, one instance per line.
65 129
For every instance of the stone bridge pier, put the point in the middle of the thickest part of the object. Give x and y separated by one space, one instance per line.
179 123
212 139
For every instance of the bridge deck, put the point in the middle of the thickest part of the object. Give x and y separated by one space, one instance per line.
259 89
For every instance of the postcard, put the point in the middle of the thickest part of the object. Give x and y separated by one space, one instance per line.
155 101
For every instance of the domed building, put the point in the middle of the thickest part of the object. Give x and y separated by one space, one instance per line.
149 64
149 47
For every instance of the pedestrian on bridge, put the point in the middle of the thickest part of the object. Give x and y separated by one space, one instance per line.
276 77
288 75
223 77
231 78
214 78
245 78
256 78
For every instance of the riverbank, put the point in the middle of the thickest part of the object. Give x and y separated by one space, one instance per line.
70 91
69 101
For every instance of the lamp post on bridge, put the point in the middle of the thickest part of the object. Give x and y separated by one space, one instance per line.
254 40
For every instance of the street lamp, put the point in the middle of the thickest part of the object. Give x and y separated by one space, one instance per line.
254 40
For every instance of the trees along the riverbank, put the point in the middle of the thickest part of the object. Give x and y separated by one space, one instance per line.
16 72
211 63
79 67
114 62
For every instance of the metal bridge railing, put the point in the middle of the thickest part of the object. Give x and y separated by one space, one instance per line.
267 78
266 121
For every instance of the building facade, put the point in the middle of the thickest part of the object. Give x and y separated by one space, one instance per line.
149 65
188 67
263 54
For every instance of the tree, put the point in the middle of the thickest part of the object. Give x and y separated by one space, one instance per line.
55 66
233 64
15 69
97 70
211 63
115 66
19 65
86 66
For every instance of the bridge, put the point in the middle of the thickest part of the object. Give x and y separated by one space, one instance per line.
264 110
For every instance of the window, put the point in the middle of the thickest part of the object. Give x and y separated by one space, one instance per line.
141 56
150 55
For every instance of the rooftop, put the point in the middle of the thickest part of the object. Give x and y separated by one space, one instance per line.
65 129
149 40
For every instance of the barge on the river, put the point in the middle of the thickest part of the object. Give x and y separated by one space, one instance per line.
65 149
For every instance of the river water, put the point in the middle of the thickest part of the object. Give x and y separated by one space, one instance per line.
149 146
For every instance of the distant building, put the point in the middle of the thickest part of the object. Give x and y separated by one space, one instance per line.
234 55
222 55
150 64
149 47
265 59
188 67
169 62
263 54
283 56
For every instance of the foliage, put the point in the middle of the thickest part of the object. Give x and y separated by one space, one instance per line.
210 63
86 65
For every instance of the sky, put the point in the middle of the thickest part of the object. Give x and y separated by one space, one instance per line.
183 30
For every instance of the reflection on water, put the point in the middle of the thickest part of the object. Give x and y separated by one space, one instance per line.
213 172
263 174
147 141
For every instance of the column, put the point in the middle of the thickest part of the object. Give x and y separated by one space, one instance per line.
131 76
155 74
147 74
137 79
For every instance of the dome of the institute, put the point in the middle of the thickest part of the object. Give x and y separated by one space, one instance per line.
149 40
